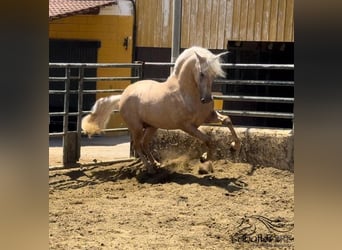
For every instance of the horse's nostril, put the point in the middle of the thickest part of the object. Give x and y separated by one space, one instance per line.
206 100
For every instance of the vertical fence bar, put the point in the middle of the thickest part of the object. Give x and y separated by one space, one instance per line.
176 29
80 111
139 69
66 115
66 100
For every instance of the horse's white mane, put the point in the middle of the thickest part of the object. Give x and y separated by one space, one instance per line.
213 60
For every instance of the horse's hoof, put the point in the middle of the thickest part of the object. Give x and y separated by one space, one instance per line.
206 168
204 157
156 164
235 146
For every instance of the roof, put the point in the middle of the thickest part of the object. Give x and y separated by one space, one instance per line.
65 8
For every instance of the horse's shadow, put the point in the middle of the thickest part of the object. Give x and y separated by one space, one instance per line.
80 178
167 175
164 175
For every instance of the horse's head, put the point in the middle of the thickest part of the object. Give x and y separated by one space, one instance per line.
207 68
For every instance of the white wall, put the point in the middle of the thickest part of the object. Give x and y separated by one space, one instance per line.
123 8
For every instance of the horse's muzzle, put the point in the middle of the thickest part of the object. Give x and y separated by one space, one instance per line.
206 100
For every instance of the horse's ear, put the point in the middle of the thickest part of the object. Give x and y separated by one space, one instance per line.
221 54
204 64
200 58
217 57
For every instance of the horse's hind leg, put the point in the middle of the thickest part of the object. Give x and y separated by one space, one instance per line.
148 135
137 137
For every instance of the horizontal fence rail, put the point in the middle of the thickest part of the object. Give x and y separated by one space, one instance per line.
255 82
254 98
94 65
257 66
258 114
137 70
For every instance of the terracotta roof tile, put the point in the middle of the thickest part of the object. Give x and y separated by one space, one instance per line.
64 8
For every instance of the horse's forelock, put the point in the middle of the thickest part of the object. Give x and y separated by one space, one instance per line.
213 61
215 68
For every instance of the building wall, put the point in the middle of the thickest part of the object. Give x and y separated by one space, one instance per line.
212 23
110 30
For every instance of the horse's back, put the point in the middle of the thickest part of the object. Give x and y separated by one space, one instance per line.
141 91
141 99
158 104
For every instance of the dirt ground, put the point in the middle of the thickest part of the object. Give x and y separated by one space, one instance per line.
93 150
120 206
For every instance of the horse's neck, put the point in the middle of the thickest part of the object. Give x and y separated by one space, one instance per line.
187 82
172 83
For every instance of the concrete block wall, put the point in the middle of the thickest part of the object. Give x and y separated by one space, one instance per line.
261 147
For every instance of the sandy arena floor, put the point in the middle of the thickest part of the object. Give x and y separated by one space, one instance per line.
120 206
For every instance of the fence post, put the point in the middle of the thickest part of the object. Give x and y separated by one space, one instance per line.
69 138
70 148
66 116
138 71
80 112
176 30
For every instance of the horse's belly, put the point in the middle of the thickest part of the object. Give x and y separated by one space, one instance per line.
198 121
172 118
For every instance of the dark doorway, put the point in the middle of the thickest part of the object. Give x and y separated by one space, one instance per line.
265 53
70 51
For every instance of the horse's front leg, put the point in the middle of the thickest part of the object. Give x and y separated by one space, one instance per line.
225 120
195 132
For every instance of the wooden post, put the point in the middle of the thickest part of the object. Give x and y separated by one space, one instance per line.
70 149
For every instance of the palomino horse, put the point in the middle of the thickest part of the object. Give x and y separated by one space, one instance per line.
183 102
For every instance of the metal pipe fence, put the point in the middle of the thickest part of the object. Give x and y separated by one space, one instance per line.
71 139
257 99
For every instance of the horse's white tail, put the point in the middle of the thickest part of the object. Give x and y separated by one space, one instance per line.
97 120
